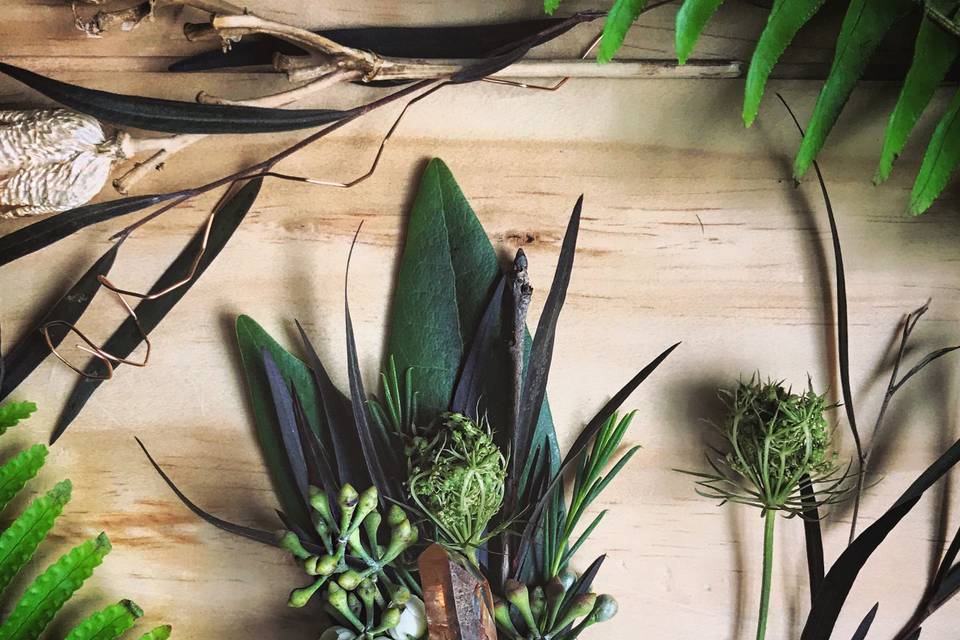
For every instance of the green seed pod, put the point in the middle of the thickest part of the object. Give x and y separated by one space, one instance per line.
400 595
291 543
605 608
300 597
349 579
326 565
371 525
555 592
580 606
567 578
337 598
388 620
395 515
501 613
321 504
367 503
347 501
518 595
354 603
310 565
367 592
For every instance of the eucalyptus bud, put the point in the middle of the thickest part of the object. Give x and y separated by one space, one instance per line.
338 600
300 597
321 504
580 606
400 595
326 565
501 613
349 579
538 603
395 515
388 620
518 595
605 608
347 501
567 578
291 542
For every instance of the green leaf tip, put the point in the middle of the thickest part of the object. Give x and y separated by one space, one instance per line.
939 160
160 633
550 6
19 470
621 16
691 19
109 623
132 607
12 413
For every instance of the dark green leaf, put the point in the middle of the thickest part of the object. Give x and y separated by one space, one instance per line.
377 452
812 535
471 385
939 160
320 471
173 116
150 312
32 349
447 272
287 423
40 235
864 627
691 19
13 412
839 580
933 55
341 434
864 26
257 535
252 341
621 17
785 20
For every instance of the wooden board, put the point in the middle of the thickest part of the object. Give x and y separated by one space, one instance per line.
692 231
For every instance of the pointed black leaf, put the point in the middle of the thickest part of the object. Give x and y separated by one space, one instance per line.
948 588
470 385
32 348
864 627
589 432
457 41
320 472
583 584
839 580
946 567
927 359
289 433
341 429
42 234
378 459
151 312
541 354
173 116
812 535
258 535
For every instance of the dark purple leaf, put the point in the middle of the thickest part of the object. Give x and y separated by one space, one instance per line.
289 432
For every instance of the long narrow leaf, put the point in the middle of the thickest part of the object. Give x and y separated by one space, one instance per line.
173 116
839 580
691 19
289 433
812 536
257 535
151 312
21 539
42 234
320 470
622 15
933 55
343 437
33 349
785 20
864 25
108 623
939 160
471 383
379 460
52 588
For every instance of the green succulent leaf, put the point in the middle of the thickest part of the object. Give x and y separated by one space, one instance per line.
18 471
785 20
622 15
160 633
939 160
52 589
22 538
108 623
864 26
933 55
252 340
691 19
13 412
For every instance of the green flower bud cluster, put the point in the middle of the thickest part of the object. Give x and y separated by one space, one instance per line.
551 611
351 576
457 476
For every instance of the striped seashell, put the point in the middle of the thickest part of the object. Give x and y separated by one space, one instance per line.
52 160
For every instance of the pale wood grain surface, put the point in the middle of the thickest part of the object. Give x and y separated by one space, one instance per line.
692 231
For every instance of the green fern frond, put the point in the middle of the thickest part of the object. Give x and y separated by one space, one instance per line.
21 539
52 589
939 161
691 19
160 633
622 15
549 6
864 26
933 55
786 18
13 412
18 471
108 623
